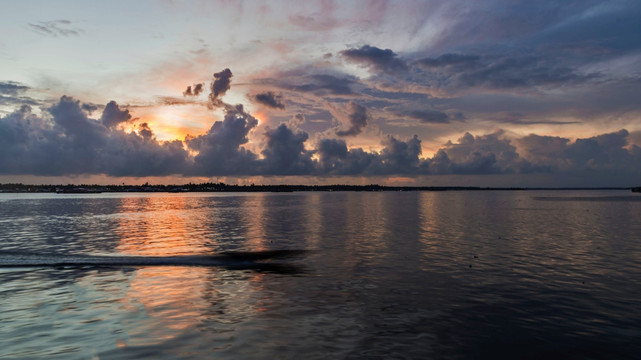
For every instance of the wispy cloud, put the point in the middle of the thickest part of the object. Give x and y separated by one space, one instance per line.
55 28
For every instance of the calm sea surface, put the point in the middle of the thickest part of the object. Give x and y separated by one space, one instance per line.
393 275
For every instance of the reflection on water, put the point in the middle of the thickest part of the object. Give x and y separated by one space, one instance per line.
392 275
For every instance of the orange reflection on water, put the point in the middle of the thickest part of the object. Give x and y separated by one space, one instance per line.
154 226
170 296
255 217
170 300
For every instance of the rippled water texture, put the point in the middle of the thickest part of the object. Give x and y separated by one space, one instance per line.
512 274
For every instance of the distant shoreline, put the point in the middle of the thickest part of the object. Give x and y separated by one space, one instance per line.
221 187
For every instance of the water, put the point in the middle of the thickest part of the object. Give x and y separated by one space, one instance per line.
403 275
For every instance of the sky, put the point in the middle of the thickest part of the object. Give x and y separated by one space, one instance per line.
419 93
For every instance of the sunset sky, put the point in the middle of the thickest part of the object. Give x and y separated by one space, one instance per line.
479 93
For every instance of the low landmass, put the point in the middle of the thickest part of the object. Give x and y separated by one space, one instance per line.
222 187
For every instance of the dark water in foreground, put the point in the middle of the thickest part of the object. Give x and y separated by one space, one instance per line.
463 275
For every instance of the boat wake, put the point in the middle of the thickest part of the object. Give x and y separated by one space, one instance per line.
268 261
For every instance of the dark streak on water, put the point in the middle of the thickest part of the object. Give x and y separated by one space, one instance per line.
472 275
237 260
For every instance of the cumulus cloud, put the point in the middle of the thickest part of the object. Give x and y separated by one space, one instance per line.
602 152
396 157
484 154
270 99
357 116
285 153
71 143
402 157
220 150
382 60
112 115
335 159
65 140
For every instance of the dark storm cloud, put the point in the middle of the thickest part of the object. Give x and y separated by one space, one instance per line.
112 115
270 99
357 116
55 28
195 91
382 60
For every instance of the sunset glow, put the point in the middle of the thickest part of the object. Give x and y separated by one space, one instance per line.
423 88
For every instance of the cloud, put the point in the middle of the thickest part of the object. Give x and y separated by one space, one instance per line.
335 159
172 100
220 85
511 72
324 84
428 116
376 59
485 154
195 91
285 153
402 157
608 151
220 150
71 143
448 60
55 28
270 99
145 131
12 94
357 116
396 157
461 73
12 88
297 120
112 115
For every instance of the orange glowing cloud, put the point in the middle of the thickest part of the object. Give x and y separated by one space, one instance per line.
176 122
